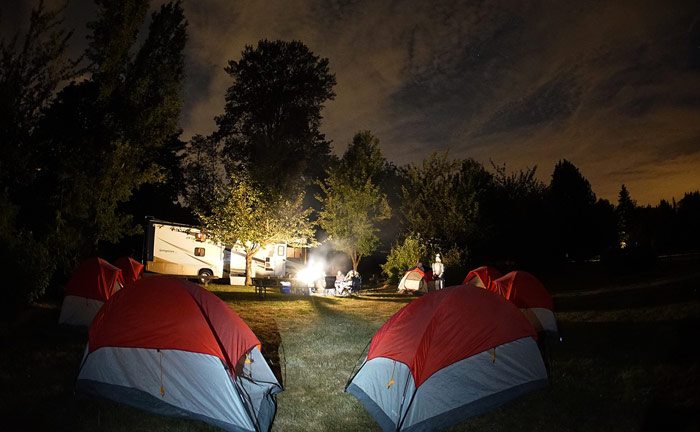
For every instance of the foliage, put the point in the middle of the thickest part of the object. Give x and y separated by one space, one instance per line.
572 211
363 160
625 212
516 210
350 214
32 67
442 201
352 204
404 256
246 217
104 137
273 113
202 174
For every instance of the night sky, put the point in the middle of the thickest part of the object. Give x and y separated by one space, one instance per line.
612 86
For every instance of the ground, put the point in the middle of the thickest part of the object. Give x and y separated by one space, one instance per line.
629 359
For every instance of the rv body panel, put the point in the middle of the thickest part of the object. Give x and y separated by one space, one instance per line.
177 249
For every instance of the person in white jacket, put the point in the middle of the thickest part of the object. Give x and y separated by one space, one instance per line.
438 271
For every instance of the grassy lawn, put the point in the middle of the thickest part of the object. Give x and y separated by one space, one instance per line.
629 362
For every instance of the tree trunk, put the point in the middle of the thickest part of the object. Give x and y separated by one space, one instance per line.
355 260
249 253
248 268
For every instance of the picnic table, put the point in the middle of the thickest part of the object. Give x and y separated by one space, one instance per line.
261 284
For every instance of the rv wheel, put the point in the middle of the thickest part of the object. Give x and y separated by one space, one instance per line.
205 276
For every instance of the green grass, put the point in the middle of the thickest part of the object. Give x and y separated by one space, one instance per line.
629 362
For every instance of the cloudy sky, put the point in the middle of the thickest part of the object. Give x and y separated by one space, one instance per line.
612 86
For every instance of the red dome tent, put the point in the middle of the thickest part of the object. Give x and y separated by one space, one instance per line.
92 283
131 269
415 280
525 291
171 347
482 276
445 357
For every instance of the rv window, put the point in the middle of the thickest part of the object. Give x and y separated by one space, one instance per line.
199 251
280 250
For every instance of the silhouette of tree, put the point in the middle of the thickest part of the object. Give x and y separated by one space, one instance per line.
625 212
352 205
689 220
571 202
104 137
273 113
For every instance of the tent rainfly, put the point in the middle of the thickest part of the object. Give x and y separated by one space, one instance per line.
525 291
169 346
482 276
92 283
131 269
415 280
447 356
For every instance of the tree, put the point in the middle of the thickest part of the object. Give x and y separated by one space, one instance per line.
244 216
104 137
689 220
202 174
403 256
32 67
273 113
441 200
352 204
625 212
350 214
363 160
572 204
517 213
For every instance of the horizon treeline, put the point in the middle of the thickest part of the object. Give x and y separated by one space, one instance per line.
92 145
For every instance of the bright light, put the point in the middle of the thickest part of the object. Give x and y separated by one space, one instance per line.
312 272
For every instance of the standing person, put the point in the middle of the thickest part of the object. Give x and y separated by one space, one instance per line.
438 271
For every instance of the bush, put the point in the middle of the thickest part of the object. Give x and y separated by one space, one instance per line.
404 256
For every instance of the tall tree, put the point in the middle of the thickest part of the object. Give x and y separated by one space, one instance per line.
202 173
625 212
105 136
689 220
243 216
572 204
352 204
441 200
273 114
516 211
33 64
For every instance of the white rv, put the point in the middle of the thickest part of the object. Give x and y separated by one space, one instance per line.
180 249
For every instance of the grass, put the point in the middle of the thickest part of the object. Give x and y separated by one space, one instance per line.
629 362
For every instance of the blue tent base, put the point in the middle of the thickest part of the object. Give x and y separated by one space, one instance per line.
450 417
138 399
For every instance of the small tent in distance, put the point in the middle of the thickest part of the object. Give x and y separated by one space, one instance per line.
131 269
526 292
416 280
482 276
171 347
412 380
92 283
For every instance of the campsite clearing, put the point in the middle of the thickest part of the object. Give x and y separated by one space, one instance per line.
629 362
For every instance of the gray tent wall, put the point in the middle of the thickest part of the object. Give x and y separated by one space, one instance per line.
195 385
